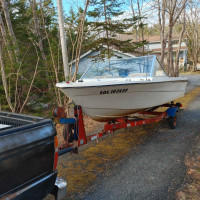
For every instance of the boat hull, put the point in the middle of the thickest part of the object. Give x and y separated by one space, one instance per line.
107 102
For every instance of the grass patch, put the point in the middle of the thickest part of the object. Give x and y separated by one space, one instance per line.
83 170
185 101
190 72
189 97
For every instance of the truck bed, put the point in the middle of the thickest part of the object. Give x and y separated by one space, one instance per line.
16 120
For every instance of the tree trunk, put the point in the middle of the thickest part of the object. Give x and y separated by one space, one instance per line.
63 40
57 92
161 19
80 41
39 37
133 12
30 87
3 32
141 28
196 48
37 30
5 82
163 41
174 8
179 46
10 29
107 35
170 67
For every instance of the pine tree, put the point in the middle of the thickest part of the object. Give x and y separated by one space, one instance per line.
37 53
106 23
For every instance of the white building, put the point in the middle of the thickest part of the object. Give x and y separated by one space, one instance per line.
154 47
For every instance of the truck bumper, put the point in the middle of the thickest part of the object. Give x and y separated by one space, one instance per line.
60 189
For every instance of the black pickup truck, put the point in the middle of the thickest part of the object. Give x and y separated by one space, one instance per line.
28 158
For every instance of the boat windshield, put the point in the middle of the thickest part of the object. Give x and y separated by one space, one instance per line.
145 66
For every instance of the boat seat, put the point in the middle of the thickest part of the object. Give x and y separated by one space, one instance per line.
137 74
160 73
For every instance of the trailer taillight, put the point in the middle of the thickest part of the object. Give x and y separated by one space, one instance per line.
56 153
179 105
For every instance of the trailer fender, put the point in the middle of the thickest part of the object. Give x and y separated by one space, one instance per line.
171 112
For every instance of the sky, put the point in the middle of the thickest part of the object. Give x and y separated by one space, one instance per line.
151 16
67 4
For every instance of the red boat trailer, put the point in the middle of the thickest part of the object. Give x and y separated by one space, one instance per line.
74 130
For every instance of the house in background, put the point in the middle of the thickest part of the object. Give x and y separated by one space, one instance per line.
154 47
88 58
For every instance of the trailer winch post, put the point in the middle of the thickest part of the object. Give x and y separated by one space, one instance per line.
81 128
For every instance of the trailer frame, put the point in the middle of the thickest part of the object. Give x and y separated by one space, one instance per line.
76 126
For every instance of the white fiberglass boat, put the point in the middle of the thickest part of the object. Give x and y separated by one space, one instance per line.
113 89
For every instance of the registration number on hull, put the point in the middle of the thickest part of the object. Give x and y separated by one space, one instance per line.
116 91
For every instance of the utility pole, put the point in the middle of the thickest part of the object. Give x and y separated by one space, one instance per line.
63 40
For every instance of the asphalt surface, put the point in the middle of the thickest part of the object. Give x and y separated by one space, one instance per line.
155 169
194 80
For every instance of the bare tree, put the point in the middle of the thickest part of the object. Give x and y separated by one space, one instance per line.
63 40
12 36
139 9
172 10
5 40
134 15
9 25
31 84
161 19
4 80
193 31
37 28
55 67
80 40
140 22
16 105
179 45
17 99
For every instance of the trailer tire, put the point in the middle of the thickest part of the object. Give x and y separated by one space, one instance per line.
172 122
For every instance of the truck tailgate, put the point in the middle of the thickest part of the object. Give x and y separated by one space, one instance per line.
26 155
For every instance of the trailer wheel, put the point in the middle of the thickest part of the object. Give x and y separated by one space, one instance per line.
172 122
